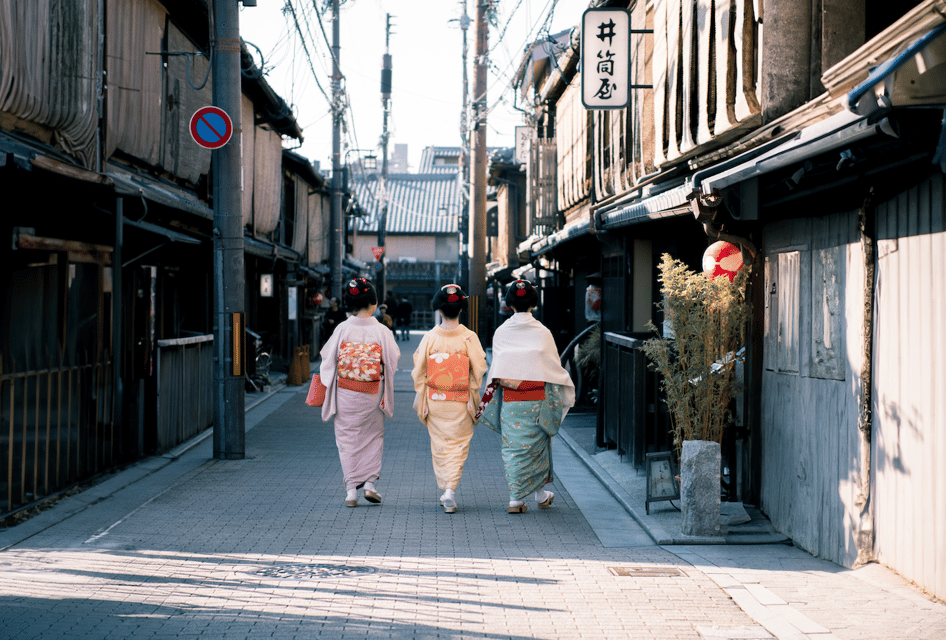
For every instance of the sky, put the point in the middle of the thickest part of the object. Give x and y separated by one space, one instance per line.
426 45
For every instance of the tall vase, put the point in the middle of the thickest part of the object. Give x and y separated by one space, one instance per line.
699 488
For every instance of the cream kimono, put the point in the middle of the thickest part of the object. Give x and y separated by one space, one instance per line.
440 384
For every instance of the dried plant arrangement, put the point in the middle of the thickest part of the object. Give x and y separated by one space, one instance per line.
697 362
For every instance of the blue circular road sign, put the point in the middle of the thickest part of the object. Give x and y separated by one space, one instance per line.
211 127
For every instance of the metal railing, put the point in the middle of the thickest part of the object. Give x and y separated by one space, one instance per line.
57 427
184 376
634 416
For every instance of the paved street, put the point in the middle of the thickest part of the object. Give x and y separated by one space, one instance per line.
183 546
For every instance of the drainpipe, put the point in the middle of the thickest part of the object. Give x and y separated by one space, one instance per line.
864 536
118 396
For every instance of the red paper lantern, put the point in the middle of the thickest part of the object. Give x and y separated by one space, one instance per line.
722 259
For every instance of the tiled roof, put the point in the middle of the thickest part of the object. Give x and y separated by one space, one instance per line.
415 202
440 160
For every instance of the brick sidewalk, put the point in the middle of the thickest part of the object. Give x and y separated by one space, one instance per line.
263 547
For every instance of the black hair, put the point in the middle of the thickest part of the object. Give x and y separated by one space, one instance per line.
521 296
450 301
360 294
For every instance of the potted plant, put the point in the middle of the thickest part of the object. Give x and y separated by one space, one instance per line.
705 320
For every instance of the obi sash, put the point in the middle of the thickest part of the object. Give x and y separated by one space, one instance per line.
522 390
448 376
359 367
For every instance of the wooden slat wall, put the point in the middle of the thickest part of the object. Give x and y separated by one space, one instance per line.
267 181
49 58
248 155
299 237
909 444
319 221
810 451
571 133
180 155
695 102
135 79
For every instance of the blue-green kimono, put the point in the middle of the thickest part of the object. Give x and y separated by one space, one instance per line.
527 428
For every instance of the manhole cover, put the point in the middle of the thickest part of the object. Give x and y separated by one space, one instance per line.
646 572
314 571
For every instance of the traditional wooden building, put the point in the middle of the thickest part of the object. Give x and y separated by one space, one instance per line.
106 318
814 135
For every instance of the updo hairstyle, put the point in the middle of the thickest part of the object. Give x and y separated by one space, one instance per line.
521 296
450 301
360 294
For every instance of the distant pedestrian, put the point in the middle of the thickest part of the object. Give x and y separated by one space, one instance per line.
386 319
358 365
334 316
448 368
536 393
404 310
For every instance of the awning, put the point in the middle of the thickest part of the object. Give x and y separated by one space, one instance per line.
915 76
173 236
499 272
840 130
317 270
136 184
262 249
572 230
670 203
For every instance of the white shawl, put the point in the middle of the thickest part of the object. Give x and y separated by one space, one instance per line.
523 349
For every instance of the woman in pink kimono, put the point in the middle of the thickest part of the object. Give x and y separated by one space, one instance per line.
358 365
528 395
448 368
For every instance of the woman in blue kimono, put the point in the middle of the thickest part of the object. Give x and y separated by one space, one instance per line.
528 395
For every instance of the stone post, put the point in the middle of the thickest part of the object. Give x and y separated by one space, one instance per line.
699 488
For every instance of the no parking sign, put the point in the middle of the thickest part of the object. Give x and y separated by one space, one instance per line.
211 127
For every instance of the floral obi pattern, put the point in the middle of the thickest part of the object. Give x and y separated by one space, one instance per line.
359 367
522 390
448 376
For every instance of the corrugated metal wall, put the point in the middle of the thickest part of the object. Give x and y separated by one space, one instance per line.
909 444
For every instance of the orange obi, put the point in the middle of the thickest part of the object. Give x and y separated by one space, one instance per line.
448 377
522 390
359 367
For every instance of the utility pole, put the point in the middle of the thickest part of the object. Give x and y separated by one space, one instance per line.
477 281
386 101
464 217
338 112
229 434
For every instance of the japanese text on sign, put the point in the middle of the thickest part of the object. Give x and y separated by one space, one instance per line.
605 58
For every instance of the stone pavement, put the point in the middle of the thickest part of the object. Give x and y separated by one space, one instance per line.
184 546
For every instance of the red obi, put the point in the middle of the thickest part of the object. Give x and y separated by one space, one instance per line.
448 377
522 390
359 367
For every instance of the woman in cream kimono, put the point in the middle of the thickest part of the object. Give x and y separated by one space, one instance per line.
358 365
526 399
448 368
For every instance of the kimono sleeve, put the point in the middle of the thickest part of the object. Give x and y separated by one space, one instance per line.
551 413
419 374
